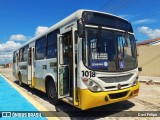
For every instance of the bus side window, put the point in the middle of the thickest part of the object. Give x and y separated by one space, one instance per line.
52 45
65 50
40 48
29 57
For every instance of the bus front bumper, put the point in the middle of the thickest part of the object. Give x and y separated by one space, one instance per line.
90 99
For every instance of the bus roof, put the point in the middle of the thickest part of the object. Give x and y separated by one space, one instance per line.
74 16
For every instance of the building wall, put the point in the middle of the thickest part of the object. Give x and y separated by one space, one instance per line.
9 65
149 60
158 43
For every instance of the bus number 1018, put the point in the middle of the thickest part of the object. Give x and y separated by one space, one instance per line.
88 74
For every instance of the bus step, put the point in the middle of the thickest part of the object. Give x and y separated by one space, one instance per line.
68 99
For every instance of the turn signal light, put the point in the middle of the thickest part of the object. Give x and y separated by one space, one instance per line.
92 85
85 80
136 91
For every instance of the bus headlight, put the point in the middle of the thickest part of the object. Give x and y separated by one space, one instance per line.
135 81
93 86
91 83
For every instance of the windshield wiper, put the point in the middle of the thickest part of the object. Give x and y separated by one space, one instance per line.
123 48
124 41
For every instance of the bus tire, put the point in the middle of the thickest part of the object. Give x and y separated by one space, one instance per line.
20 81
52 93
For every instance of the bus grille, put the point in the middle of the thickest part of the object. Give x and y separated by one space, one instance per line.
116 79
118 95
113 87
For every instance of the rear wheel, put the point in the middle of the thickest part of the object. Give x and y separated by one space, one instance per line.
20 80
52 93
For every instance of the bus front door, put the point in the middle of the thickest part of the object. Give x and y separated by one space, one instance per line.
63 68
67 85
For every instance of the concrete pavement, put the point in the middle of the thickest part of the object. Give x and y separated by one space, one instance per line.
154 80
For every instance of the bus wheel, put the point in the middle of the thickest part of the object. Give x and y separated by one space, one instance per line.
52 93
20 81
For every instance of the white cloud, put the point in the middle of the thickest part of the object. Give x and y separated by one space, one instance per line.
18 37
9 46
6 51
149 32
142 21
6 57
40 29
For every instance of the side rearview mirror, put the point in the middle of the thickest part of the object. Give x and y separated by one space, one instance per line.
139 69
80 25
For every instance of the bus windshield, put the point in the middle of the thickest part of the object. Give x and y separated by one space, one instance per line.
108 50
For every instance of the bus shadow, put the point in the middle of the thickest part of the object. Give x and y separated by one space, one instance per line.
33 91
111 110
67 110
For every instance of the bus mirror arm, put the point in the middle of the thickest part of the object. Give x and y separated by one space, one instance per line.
139 69
81 28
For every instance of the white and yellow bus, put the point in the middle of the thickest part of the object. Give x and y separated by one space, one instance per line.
88 59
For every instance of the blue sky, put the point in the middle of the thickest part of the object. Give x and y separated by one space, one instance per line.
21 20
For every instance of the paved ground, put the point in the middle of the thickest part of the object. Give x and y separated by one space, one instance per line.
148 100
156 80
